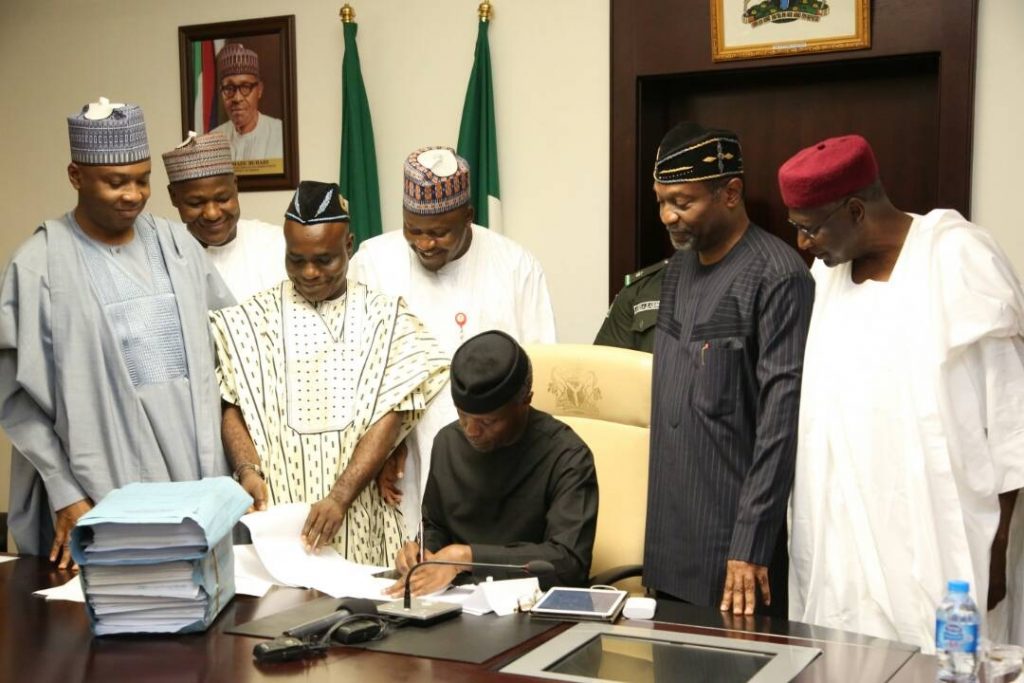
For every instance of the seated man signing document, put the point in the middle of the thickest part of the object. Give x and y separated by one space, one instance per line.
508 483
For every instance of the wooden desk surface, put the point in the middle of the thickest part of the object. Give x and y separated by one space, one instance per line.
50 641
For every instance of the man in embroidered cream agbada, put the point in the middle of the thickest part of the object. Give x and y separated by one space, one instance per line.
321 379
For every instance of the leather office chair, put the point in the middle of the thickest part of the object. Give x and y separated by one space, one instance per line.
604 394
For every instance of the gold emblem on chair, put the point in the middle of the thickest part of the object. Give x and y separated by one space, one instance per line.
575 393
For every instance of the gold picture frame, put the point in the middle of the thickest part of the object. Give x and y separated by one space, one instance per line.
757 29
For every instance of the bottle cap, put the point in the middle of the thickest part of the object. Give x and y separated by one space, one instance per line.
958 587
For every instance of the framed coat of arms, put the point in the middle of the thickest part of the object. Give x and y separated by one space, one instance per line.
752 29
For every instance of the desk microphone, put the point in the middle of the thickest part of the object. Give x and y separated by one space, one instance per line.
423 611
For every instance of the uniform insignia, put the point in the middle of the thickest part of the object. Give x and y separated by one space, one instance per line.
783 11
646 306
644 272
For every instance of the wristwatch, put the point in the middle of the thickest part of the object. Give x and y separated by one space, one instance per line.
237 475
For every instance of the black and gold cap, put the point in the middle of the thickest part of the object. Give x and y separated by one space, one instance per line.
690 153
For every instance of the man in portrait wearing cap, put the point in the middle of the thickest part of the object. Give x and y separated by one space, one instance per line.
251 133
735 306
107 368
457 277
321 379
912 418
508 484
248 254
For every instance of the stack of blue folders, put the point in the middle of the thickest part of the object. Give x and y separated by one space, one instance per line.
157 557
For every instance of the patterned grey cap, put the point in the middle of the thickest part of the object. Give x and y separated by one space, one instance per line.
107 134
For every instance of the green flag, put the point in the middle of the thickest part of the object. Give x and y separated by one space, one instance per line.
358 174
478 140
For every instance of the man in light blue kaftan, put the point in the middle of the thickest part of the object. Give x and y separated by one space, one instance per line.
106 360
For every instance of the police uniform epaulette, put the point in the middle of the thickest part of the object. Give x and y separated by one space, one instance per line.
644 272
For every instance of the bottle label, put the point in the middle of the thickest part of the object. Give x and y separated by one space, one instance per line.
953 637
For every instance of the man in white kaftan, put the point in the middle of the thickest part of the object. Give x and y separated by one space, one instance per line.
106 365
457 277
248 254
315 365
911 442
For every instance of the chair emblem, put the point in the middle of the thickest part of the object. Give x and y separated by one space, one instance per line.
575 393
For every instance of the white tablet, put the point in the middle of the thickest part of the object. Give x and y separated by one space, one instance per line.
580 603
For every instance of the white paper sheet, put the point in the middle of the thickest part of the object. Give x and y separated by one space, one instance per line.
251 577
71 591
500 597
7 558
276 537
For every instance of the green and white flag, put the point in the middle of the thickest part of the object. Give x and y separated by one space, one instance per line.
358 174
478 140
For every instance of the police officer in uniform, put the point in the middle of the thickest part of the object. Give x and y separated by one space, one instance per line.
630 320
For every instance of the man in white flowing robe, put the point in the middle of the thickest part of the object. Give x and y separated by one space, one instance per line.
458 278
321 379
911 445
106 365
248 254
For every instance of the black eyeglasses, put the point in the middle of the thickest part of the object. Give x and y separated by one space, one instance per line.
244 88
810 231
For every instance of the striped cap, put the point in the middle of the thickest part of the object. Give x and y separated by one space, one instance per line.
108 134
436 181
199 156
235 58
315 202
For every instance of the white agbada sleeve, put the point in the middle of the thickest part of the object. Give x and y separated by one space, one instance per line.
536 315
986 382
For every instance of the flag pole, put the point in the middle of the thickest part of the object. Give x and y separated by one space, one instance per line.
357 172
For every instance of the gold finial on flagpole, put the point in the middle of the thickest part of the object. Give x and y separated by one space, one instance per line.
484 11
347 14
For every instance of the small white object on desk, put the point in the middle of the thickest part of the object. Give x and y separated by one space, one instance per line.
7 558
639 608
70 591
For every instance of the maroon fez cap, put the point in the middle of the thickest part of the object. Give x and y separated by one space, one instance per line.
830 170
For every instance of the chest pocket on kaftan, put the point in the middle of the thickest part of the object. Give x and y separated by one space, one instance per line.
146 324
717 380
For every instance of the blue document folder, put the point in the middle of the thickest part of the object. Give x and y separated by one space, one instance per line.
157 557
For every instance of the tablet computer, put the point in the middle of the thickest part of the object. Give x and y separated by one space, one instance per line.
580 603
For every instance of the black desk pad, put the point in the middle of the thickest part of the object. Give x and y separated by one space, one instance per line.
465 638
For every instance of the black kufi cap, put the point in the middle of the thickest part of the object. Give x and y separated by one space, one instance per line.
690 153
315 202
487 371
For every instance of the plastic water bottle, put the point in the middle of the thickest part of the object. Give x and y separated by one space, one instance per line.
956 634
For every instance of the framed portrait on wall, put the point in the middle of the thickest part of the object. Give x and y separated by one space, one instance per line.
751 29
238 79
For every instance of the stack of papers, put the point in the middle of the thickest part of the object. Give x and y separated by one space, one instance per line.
157 557
155 597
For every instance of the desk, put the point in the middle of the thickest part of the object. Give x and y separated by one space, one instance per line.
50 641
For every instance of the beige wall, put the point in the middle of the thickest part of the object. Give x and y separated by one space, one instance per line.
551 88
998 133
